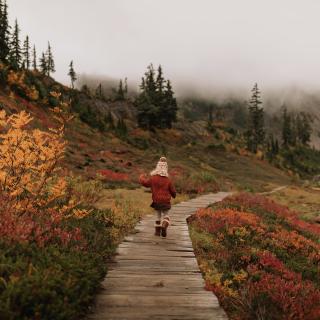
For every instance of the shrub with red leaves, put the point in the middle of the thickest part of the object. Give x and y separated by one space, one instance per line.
259 263
110 175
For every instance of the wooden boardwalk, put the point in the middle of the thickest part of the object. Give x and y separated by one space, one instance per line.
154 278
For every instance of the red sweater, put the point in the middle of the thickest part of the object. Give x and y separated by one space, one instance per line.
161 187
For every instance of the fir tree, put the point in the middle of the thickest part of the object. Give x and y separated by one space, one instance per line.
255 133
170 106
304 129
72 74
99 91
43 64
272 147
160 82
121 128
34 58
4 32
120 91
85 89
286 128
15 50
50 61
156 104
26 53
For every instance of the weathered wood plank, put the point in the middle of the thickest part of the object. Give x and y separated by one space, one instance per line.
154 278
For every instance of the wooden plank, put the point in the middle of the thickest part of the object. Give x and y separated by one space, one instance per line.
155 278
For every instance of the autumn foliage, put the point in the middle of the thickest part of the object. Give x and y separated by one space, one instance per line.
31 181
260 259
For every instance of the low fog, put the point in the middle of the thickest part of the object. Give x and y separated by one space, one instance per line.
207 47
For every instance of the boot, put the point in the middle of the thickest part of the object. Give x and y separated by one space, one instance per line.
164 226
157 228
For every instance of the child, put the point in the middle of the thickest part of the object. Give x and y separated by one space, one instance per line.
162 191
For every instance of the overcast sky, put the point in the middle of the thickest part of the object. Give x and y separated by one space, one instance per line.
206 43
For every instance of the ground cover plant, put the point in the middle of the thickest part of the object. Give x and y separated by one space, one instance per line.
53 242
259 258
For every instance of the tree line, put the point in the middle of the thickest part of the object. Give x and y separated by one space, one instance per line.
296 127
18 54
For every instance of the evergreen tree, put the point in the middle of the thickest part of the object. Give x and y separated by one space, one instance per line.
146 101
15 49
34 58
286 128
120 91
304 129
272 147
169 106
85 89
156 104
72 74
210 126
26 53
255 134
160 82
99 91
43 64
121 128
4 32
50 61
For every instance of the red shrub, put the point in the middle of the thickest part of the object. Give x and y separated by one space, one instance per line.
247 200
39 229
114 176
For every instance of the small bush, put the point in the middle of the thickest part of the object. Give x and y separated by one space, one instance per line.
258 258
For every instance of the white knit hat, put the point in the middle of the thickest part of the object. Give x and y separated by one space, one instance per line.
161 168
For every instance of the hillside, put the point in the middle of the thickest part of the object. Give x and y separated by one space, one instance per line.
94 200
97 146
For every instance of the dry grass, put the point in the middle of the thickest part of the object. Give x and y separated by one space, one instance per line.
301 199
138 198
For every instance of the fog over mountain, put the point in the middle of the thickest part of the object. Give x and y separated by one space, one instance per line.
205 46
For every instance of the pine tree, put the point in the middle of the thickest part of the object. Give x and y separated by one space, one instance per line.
72 74
169 106
99 91
160 82
49 61
120 91
121 128
146 101
286 128
26 53
43 64
304 130
156 104
34 58
4 32
85 89
15 50
255 134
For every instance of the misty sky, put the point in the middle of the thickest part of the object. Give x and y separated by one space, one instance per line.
204 43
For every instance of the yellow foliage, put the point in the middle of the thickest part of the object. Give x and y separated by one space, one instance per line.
29 166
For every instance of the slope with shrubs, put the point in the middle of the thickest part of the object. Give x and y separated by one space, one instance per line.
53 241
259 258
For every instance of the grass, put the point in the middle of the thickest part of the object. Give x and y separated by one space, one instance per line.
304 200
139 198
